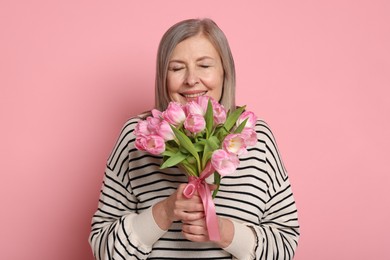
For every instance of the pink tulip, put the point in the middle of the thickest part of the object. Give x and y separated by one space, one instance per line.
165 131
203 102
219 113
195 123
251 119
193 107
141 128
153 144
174 114
139 142
235 144
153 124
250 136
156 113
223 162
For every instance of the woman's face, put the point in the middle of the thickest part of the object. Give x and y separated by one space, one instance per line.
195 69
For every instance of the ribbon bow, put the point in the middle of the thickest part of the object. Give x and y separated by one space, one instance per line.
199 184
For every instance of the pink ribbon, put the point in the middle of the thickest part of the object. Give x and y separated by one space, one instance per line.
199 184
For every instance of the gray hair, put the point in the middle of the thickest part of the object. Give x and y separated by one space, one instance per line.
178 33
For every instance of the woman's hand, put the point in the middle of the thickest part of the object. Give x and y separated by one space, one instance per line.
196 231
191 213
177 207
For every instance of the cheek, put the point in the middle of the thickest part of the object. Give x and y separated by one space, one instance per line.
216 86
172 84
217 82
212 78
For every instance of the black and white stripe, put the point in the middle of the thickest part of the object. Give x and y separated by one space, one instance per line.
258 195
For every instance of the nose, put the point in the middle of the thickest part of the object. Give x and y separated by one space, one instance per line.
191 78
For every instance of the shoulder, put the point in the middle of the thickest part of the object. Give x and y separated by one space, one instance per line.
124 143
264 133
132 121
130 124
273 155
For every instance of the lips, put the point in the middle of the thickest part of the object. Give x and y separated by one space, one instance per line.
193 95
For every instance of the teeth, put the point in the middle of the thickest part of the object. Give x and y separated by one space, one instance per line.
194 95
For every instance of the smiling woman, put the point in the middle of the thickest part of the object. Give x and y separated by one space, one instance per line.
143 212
195 69
179 51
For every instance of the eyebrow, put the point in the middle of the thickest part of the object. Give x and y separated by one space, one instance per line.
199 59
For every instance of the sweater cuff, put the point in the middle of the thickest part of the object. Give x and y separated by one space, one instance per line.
145 228
243 243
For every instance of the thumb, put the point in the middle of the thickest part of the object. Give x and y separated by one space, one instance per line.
212 186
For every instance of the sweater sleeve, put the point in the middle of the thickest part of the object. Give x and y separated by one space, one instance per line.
113 235
243 244
278 233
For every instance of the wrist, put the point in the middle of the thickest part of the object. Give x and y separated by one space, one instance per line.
226 229
243 243
161 216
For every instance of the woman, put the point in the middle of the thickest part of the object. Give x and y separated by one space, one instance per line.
142 213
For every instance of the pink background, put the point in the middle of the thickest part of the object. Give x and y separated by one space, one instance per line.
73 71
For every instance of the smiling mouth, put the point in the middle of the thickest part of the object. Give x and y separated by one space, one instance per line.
194 95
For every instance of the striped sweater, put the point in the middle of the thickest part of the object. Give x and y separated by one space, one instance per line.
258 195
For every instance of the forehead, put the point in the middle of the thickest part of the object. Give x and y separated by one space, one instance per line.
194 46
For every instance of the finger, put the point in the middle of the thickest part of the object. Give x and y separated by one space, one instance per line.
196 238
198 222
212 186
190 216
189 206
195 233
194 229
181 187
180 196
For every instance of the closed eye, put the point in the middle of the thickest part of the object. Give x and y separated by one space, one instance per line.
176 69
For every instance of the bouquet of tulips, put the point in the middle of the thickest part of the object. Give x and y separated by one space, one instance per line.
202 138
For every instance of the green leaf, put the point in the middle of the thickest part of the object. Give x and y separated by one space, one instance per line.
221 133
199 146
233 117
171 145
190 159
217 181
183 150
189 167
241 126
173 160
209 118
186 143
212 144
169 153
